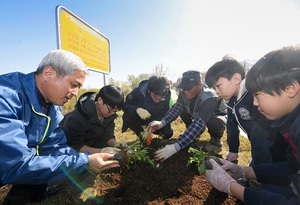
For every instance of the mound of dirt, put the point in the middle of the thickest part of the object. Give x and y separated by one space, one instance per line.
172 182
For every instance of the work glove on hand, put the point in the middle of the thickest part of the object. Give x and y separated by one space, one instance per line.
144 114
112 150
155 125
165 153
234 170
232 156
218 177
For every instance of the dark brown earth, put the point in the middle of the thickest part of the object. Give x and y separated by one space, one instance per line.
172 183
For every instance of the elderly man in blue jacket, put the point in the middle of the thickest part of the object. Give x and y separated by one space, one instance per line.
33 147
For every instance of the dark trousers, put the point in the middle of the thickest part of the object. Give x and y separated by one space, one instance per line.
135 123
216 124
20 194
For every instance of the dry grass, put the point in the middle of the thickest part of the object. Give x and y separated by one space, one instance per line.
179 127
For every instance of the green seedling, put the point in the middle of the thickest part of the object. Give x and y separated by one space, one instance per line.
208 165
136 153
198 157
201 158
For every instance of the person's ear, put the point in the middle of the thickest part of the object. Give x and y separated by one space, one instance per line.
236 78
100 101
293 89
48 72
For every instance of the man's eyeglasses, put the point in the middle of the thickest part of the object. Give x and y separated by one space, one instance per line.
159 96
110 110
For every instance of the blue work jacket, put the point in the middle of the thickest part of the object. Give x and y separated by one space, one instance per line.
33 148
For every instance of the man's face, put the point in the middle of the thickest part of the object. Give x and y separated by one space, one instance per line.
157 98
59 90
193 92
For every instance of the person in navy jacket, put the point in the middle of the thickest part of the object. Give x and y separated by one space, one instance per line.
227 77
149 101
274 81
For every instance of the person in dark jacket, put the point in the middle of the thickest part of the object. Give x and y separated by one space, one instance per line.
227 77
274 80
33 148
199 107
90 126
148 102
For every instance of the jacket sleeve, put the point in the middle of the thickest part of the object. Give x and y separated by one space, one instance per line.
109 132
252 196
233 134
262 137
132 102
196 128
75 131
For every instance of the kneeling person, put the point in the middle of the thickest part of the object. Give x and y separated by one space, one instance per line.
90 126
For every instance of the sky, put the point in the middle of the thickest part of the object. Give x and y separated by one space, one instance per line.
179 35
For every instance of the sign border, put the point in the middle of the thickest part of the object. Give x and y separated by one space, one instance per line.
59 38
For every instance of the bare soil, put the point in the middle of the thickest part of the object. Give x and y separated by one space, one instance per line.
171 183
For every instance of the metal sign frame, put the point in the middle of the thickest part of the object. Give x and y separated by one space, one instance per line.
88 43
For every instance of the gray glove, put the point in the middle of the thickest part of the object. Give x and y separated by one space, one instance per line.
234 170
232 156
218 177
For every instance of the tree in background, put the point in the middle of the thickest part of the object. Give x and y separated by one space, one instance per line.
133 82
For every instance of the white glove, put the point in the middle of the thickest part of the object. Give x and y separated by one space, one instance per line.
234 170
144 114
218 177
232 156
155 125
165 153
112 150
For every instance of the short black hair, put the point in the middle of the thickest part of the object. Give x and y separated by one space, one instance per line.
275 71
112 96
158 85
225 68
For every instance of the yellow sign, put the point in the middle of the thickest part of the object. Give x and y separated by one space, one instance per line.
85 41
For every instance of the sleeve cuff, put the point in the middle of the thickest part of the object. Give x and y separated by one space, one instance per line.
177 146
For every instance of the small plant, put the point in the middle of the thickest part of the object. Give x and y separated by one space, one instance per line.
134 154
201 159
198 157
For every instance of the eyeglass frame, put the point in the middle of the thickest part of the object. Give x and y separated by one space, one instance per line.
158 96
111 110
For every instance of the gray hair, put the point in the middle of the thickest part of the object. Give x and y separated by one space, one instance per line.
64 62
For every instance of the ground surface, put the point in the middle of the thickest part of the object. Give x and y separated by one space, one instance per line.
172 183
